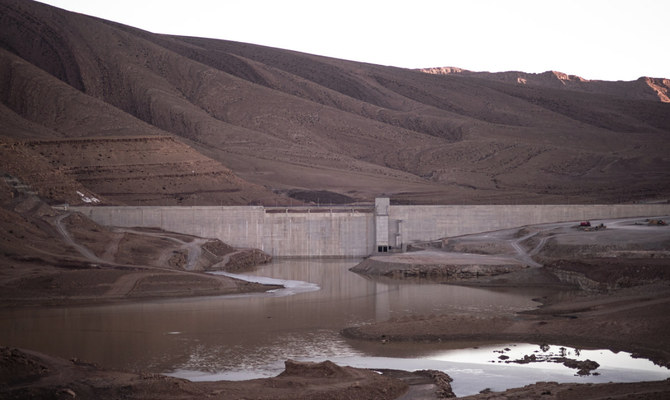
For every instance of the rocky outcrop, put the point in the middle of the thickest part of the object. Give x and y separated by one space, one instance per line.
247 258
27 374
660 86
644 88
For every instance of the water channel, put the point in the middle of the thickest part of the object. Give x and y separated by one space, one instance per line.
250 336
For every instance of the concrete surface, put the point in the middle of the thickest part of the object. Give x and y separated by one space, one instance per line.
343 232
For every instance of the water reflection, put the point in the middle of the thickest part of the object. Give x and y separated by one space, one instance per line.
474 369
244 336
232 333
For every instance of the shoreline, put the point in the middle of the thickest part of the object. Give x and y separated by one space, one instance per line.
548 324
550 320
621 305
106 301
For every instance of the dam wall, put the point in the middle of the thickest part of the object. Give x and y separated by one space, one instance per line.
306 232
351 232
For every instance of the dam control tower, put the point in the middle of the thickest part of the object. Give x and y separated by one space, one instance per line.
382 205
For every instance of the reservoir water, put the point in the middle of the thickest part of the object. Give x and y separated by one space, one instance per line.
249 336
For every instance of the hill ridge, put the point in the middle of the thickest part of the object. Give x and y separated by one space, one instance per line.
286 122
643 88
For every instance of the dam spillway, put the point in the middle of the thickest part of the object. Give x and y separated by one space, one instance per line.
350 231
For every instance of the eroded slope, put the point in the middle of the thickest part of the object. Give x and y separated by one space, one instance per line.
294 121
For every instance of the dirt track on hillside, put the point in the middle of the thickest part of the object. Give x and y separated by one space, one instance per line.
61 258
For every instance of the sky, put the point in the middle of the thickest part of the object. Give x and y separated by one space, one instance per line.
594 39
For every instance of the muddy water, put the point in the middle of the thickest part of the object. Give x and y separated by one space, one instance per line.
216 333
246 336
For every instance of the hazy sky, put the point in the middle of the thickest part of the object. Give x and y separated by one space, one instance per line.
595 39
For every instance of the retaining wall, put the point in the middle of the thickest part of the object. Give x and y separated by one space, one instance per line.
318 232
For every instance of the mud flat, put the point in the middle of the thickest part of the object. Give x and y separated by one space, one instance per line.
439 265
27 374
622 302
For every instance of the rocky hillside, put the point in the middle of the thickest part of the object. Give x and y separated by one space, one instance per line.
645 88
127 116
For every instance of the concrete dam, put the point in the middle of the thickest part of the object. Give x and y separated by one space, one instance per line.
350 231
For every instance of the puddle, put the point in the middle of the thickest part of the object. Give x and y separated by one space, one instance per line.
476 369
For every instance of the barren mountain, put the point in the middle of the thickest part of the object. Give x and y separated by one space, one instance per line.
645 88
132 117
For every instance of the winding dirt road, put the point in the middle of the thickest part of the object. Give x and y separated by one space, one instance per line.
85 252
127 283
